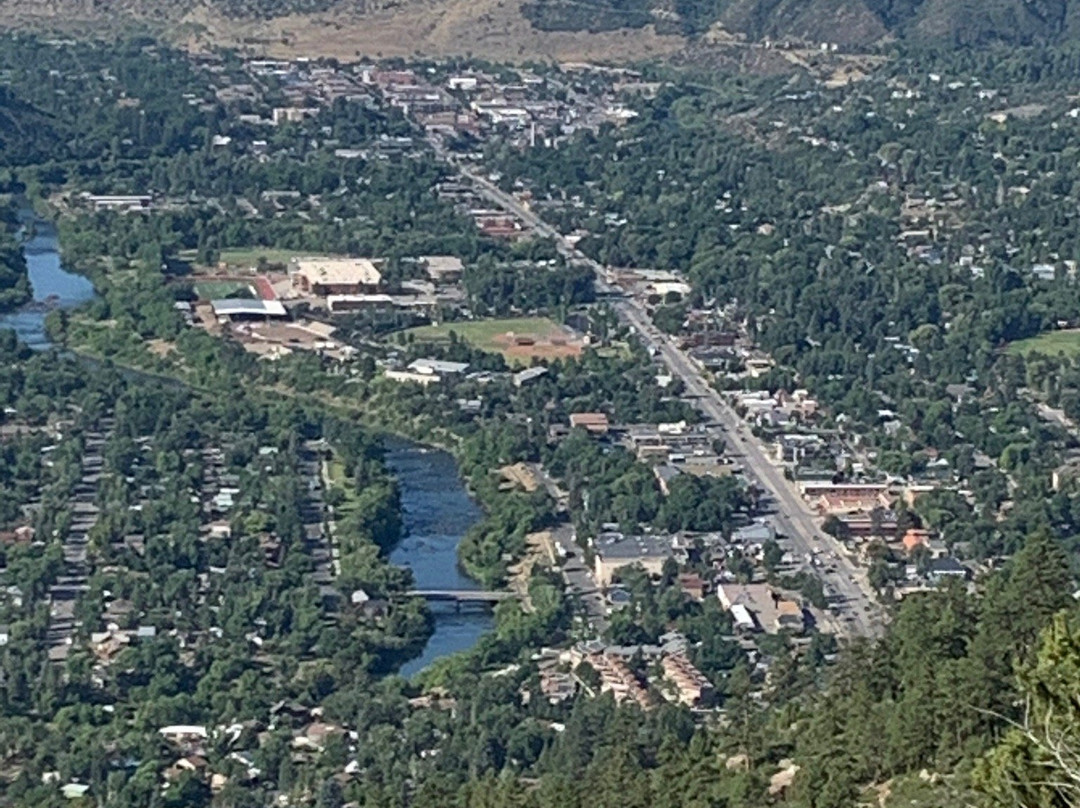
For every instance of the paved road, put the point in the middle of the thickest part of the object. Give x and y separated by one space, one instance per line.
860 613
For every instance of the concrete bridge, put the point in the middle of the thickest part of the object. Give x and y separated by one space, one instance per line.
463 597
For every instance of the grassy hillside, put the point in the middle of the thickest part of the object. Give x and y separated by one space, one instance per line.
960 22
565 30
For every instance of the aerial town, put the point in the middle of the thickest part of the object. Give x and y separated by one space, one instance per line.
395 423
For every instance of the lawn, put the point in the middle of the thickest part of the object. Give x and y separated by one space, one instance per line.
219 290
1051 343
249 257
499 336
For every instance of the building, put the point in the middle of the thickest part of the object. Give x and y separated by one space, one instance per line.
838 499
759 607
335 276
613 551
529 375
247 309
423 379
121 203
437 367
617 678
443 268
691 686
915 538
946 569
595 422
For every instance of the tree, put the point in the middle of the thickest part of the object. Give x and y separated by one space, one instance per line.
1037 763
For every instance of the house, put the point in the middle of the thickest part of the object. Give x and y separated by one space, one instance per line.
756 533
335 276
369 606
946 569
5 635
183 733
693 585
595 422
73 791
914 538
315 736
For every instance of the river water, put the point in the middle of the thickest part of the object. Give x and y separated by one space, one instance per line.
437 513
437 508
49 281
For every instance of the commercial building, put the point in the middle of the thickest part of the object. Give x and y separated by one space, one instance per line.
595 422
335 276
529 375
244 309
759 607
437 367
613 551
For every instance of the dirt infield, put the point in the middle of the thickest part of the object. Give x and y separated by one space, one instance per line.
553 343
520 339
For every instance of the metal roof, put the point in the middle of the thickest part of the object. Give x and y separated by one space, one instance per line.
233 306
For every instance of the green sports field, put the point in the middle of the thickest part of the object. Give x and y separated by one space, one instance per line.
218 290
247 258
1051 343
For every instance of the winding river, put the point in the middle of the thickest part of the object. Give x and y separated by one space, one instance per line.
437 512
437 509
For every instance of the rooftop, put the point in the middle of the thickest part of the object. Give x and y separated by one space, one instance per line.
437 366
338 271
618 545
229 307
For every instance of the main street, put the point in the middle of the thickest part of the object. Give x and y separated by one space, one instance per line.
859 613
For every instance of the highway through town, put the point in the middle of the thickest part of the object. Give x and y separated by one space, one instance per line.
858 612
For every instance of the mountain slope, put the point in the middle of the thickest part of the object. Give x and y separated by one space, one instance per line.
616 30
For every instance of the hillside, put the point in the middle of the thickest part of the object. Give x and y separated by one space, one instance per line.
845 22
618 30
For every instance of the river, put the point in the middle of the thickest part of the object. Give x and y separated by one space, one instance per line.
437 513
49 282
437 508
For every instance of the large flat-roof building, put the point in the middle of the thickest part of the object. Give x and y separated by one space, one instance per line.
760 607
613 551
335 276
244 308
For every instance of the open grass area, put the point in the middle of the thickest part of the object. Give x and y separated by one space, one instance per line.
1051 343
216 290
247 258
519 339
